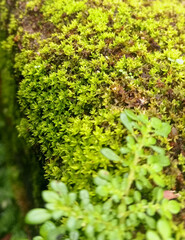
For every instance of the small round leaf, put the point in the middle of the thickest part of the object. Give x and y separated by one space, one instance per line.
89 231
46 228
71 223
74 235
59 187
37 216
50 196
152 235
174 206
158 180
164 228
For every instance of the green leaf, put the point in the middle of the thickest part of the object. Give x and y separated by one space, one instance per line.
121 210
141 215
158 180
130 114
143 118
137 126
114 234
146 183
104 174
74 235
164 161
133 218
150 141
128 200
156 123
126 121
84 196
101 227
124 184
158 194
164 228
59 187
57 214
130 141
107 206
100 181
137 196
159 159
174 207
50 206
164 130
124 150
71 223
50 196
108 153
152 235
116 198
102 191
101 236
156 167
150 222
151 159
158 150
72 197
46 228
37 216
56 233
151 211
139 185
89 231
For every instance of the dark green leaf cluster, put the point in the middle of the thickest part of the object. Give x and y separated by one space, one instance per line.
131 206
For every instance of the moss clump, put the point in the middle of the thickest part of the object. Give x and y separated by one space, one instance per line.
82 62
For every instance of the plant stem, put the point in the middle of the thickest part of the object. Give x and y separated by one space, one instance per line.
131 176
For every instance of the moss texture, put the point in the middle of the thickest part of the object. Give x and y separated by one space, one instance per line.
80 63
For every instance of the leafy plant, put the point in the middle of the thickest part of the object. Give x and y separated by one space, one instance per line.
80 65
130 206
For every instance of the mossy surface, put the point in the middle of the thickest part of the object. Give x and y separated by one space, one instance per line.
80 63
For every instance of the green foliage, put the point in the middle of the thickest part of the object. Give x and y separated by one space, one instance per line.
130 206
81 63
4 13
78 64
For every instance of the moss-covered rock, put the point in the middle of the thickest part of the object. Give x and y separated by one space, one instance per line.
80 63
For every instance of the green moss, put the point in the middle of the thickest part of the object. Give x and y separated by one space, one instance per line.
66 7
83 62
4 13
